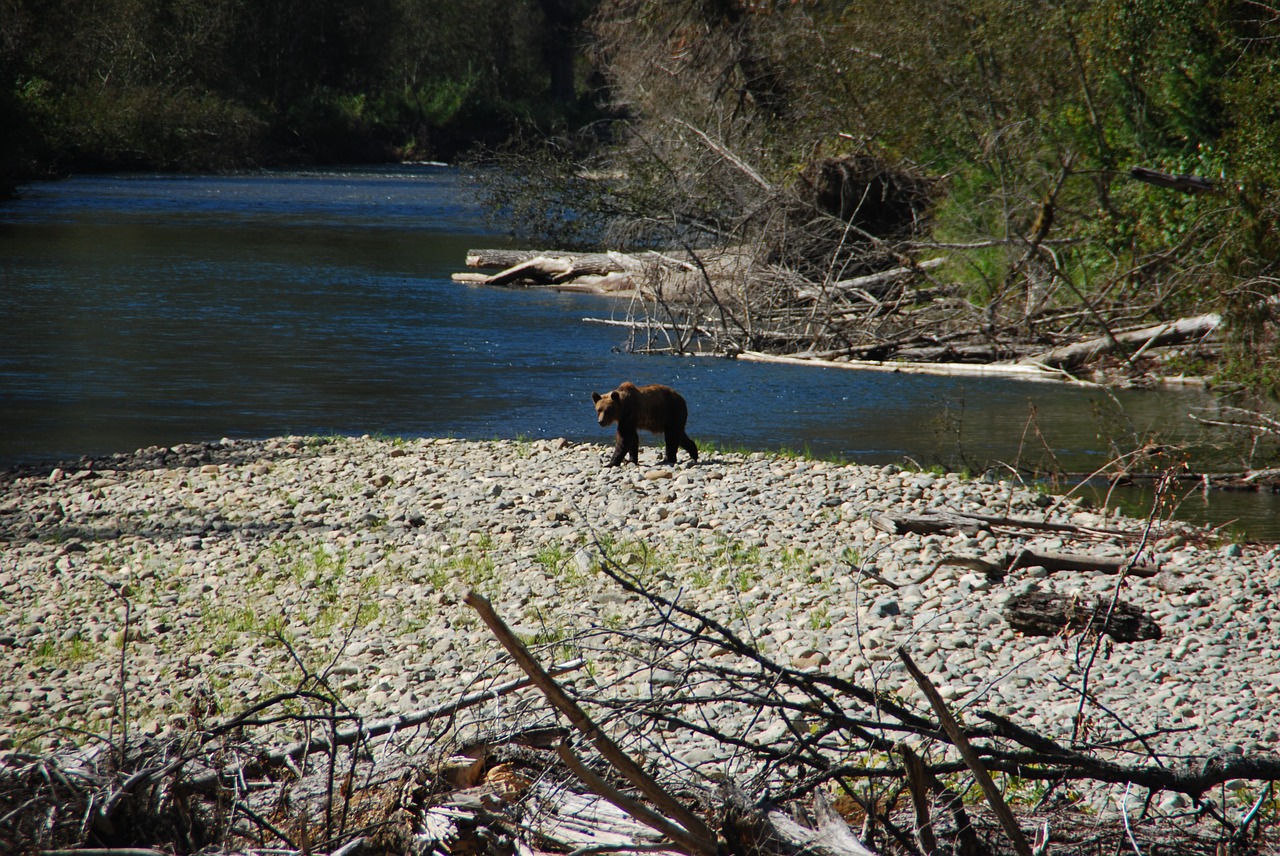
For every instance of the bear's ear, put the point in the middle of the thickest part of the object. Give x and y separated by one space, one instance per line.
614 395
595 396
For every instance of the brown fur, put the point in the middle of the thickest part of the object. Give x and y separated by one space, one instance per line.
655 408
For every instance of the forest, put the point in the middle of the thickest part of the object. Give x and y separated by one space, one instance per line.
225 84
1046 172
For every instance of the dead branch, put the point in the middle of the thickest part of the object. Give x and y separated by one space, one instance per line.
832 837
697 837
1181 183
971 758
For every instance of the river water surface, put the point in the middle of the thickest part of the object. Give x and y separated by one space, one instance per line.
154 310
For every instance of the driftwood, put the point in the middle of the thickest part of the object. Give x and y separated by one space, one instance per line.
832 837
584 264
1046 614
686 830
464 822
972 521
1052 562
1172 333
874 284
598 264
1007 370
538 269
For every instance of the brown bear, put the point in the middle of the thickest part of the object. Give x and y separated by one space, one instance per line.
655 408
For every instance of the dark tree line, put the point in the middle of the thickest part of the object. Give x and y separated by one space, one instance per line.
201 84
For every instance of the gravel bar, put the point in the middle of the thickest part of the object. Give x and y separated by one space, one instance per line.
235 562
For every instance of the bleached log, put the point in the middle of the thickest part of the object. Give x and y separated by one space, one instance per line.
871 283
537 269
832 837
1172 333
596 264
1008 370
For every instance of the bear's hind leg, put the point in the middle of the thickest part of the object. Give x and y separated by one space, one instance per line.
687 444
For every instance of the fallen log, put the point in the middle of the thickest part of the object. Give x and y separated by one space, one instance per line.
1051 562
971 521
1074 562
1008 370
542 269
597 264
1039 613
1176 332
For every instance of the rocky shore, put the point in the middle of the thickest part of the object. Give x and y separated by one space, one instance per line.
235 566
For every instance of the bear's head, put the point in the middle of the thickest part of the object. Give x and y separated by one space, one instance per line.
607 407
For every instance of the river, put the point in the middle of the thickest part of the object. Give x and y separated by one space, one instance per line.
142 310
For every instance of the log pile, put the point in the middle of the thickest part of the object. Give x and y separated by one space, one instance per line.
906 317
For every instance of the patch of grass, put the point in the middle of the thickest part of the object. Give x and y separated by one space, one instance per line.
747 578
820 618
225 625
559 562
712 447
73 651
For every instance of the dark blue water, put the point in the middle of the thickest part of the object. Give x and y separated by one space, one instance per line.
155 310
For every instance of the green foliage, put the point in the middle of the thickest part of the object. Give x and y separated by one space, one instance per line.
223 83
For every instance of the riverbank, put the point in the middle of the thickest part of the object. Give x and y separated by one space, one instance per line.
234 565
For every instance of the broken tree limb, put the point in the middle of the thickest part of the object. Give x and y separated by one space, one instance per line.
621 761
1172 333
637 810
954 733
1039 613
918 786
1181 183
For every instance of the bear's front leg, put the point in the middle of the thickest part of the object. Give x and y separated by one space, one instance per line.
619 451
